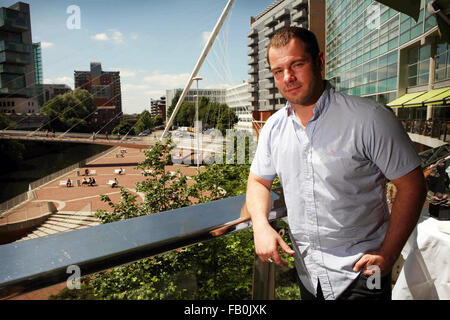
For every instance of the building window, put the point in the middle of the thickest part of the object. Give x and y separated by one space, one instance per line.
418 65
442 62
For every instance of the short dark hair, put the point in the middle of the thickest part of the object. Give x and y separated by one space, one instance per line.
282 37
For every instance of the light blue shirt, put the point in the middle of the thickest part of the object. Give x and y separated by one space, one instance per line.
334 173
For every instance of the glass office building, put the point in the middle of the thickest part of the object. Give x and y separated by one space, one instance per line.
38 73
376 52
17 69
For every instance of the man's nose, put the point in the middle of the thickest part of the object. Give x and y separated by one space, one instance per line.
289 76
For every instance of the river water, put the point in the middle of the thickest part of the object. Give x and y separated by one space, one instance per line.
45 160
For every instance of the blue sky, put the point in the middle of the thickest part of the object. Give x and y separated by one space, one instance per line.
155 44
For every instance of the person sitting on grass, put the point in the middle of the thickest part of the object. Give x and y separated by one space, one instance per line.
92 181
68 183
115 183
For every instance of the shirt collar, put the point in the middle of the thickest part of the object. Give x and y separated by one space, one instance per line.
321 104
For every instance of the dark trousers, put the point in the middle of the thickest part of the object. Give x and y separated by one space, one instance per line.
358 290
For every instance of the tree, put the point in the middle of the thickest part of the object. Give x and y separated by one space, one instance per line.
158 120
145 122
72 109
219 116
123 128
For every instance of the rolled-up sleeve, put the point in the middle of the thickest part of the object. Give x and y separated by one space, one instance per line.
389 146
262 164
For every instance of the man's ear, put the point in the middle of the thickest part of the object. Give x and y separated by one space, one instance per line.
321 61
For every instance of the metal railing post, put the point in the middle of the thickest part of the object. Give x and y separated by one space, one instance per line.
263 287
263 280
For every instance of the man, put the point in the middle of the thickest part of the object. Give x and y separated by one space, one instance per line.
333 154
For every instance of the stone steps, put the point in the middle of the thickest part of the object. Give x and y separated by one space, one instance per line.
63 222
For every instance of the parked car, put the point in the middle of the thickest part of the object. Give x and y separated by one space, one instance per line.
145 133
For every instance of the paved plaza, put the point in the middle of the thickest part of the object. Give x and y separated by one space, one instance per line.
83 200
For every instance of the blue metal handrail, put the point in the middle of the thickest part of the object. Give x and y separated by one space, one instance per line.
37 263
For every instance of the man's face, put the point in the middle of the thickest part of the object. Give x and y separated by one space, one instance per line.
297 76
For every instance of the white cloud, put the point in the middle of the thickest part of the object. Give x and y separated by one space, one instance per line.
112 35
136 97
134 36
116 36
167 81
124 72
100 37
45 45
60 80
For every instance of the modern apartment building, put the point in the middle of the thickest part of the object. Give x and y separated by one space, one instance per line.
376 52
264 96
158 107
106 89
238 99
17 76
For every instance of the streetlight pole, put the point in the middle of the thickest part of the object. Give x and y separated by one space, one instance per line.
197 134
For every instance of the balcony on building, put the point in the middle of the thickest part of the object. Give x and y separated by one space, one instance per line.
252 60
300 16
282 13
253 98
252 33
252 88
253 78
270 22
281 25
299 4
252 42
270 84
268 31
252 52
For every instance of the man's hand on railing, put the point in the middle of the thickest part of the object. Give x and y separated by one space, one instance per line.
267 242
